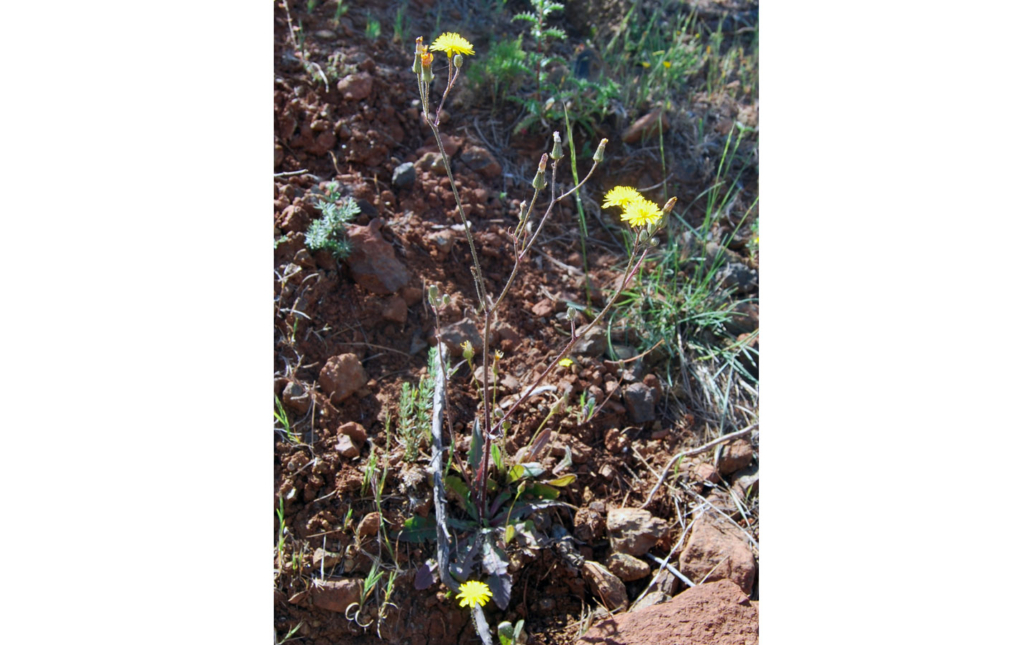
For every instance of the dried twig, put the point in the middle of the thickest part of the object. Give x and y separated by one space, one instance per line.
692 452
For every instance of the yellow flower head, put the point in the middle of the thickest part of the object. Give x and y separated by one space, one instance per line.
472 593
498 355
566 362
641 213
451 44
621 196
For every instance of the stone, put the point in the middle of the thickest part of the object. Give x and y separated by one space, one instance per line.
369 525
627 568
411 295
455 334
706 472
335 595
296 398
346 447
745 319
746 482
640 400
739 278
543 308
651 598
645 127
356 431
443 241
433 162
717 613
588 525
634 530
735 456
355 87
325 559
395 309
372 260
607 587
592 343
341 377
404 175
451 145
717 550
481 161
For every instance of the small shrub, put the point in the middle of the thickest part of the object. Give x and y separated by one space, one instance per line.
328 232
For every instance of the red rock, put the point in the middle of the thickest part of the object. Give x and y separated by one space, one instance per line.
335 595
346 447
369 525
718 549
736 456
717 613
354 430
355 87
543 308
395 310
626 567
634 530
481 161
341 377
411 295
646 126
372 261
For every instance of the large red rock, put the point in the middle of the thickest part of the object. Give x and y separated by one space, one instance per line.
372 260
716 613
718 550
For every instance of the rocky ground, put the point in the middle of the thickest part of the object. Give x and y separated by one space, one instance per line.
349 334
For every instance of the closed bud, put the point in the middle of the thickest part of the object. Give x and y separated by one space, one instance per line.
467 350
432 292
445 300
539 178
458 60
669 205
523 210
600 151
557 149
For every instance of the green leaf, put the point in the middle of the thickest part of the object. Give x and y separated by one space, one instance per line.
516 472
418 529
476 446
565 480
496 455
544 491
458 486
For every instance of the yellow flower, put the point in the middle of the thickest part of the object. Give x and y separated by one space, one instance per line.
666 64
641 212
498 354
472 593
451 44
467 349
566 362
621 196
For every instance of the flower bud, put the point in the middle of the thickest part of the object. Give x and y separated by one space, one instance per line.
669 206
539 178
432 292
557 148
601 151
523 210
419 52
445 300
458 60
467 350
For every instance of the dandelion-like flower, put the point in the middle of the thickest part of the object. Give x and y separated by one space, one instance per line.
621 196
641 213
472 593
451 44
